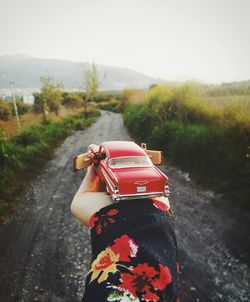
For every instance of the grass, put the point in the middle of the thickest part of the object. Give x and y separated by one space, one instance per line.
10 127
212 141
23 155
240 103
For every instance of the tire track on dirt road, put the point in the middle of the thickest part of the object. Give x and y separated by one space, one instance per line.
45 252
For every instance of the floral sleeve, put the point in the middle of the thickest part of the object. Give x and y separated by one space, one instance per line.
134 254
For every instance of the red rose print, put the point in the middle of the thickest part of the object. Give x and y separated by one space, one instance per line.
139 279
145 282
107 262
93 219
104 262
160 205
112 212
164 278
98 229
128 283
102 221
145 269
149 296
103 265
125 247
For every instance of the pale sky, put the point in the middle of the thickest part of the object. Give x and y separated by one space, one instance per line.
204 40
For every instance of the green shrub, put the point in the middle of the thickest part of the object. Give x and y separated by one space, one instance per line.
215 146
102 97
26 153
138 120
5 110
112 105
30 135
72 101
21 107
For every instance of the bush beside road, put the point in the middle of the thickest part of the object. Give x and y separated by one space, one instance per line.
23 156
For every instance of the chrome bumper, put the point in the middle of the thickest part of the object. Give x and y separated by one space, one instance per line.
118 197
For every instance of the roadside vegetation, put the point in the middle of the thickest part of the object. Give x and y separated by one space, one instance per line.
27 152
204 131
112 105
115 101
54 115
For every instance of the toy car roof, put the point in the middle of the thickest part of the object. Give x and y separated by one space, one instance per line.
122 148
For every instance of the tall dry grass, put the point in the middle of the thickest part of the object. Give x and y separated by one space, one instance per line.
210 142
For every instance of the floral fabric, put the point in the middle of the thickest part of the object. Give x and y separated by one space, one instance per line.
134 254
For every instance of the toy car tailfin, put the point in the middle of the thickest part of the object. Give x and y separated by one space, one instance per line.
127 170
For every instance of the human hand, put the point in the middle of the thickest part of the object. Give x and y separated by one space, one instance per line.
90 197
91 181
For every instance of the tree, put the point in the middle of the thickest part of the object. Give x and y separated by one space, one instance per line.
91 83
49 99
72 100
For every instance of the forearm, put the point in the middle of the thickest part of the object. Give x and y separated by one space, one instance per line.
91 182
88 199
86 204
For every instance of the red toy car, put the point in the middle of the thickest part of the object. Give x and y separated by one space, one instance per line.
126 170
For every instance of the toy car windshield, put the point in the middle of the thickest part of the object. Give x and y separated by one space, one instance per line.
130 161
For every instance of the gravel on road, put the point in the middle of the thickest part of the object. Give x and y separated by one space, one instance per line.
45 252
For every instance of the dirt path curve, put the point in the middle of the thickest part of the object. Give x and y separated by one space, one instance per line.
45 252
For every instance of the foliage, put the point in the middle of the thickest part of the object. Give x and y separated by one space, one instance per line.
22 108
72 100
91 83
102 96
115 94
128 96
26 153
112 105
5 110
50 97
229 89
213 145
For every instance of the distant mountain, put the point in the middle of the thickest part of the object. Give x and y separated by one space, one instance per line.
26 71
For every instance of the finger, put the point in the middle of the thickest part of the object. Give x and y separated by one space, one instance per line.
90 154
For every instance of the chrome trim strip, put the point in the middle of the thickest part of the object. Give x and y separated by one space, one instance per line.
139 195
160 172
141 182
110 171
111 184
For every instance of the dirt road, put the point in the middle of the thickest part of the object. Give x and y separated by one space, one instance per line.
45 252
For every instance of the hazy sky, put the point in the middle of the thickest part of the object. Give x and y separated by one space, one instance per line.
206 40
